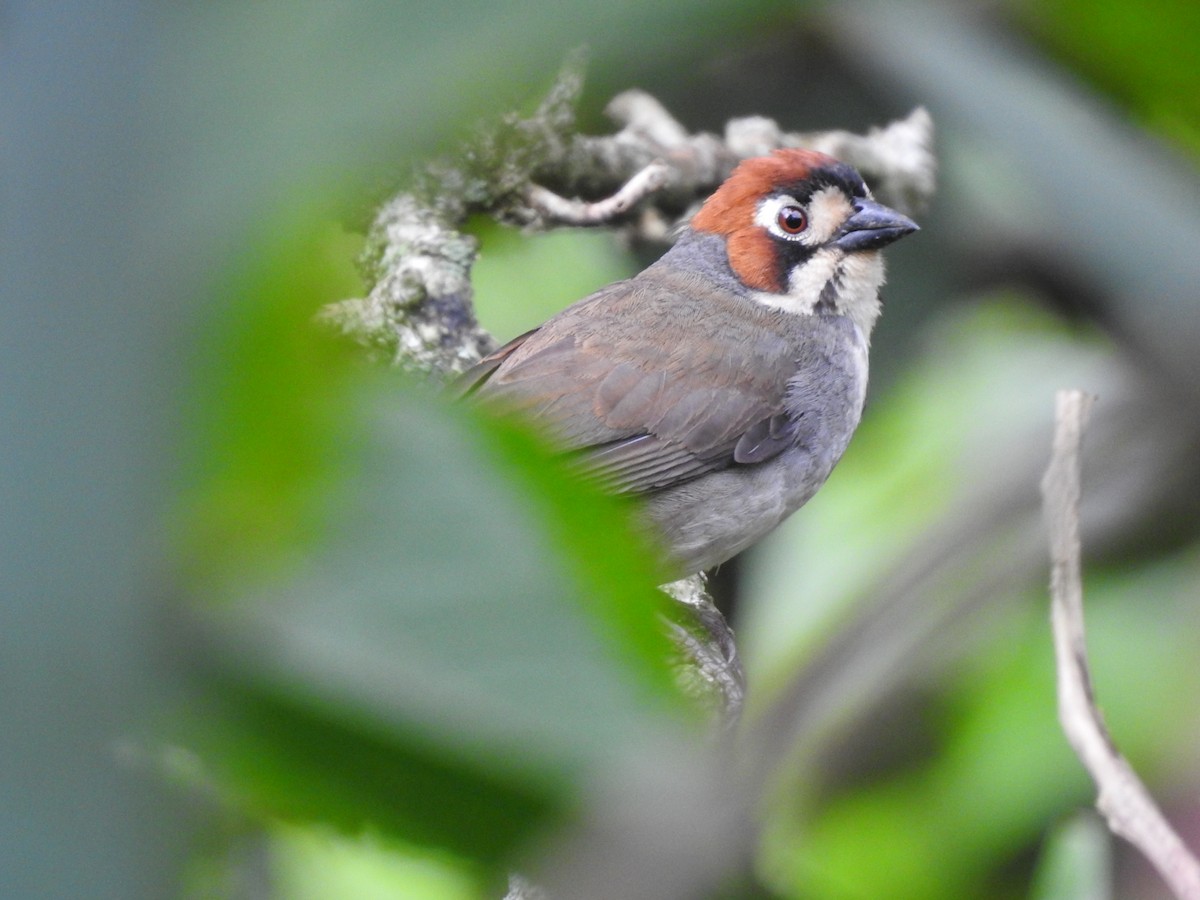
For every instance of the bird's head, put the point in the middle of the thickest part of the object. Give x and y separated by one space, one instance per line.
803 233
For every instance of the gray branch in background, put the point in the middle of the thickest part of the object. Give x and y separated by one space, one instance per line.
538 173
1123 799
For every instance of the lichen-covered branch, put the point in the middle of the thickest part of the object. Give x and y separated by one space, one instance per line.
419 313
1123 799
896 160
708 668
563 211
537 173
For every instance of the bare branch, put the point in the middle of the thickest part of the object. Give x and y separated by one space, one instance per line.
896 160
554 209
640 114
1123 799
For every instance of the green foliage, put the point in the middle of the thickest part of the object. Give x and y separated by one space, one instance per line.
264 406
966 784
317 865
425 627
276 756
1076 862
570 264
1142 52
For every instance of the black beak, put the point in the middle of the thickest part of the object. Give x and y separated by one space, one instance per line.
872 226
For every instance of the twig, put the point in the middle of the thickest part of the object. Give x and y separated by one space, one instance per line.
560 210
1122 797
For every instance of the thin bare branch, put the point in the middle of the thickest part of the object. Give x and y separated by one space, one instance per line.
1122 797
554 209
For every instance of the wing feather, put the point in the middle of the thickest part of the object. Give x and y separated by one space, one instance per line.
625 386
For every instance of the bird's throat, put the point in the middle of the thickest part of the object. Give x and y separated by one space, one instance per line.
833 283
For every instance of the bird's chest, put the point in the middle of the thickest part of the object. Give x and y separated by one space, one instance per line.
825 395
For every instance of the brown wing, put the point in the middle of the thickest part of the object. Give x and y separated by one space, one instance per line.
469 381
608 377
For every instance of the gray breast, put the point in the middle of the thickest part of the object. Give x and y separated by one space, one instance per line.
709 520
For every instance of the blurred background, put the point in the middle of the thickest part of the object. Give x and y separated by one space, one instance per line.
275 625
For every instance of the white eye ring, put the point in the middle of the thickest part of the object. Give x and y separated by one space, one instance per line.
771 211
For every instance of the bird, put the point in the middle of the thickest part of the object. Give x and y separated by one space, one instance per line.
720 386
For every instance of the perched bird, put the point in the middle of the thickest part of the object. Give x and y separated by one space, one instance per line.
722 384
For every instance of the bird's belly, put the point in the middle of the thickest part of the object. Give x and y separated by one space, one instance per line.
707 521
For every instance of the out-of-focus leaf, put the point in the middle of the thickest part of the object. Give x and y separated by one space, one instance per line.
994 766
520 281
410 616
263 412
1142 52
985 375
273 756
1076 862
312 864
1002 767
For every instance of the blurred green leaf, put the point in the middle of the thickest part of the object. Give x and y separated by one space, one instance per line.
312 864
424 624
1076 862
992 765
522 280
1002 767
1142 52
273 756
263 411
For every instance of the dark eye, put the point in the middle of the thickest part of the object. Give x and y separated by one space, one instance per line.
792 220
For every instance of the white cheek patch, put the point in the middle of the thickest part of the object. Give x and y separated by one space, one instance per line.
807 280
805 283
850 283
